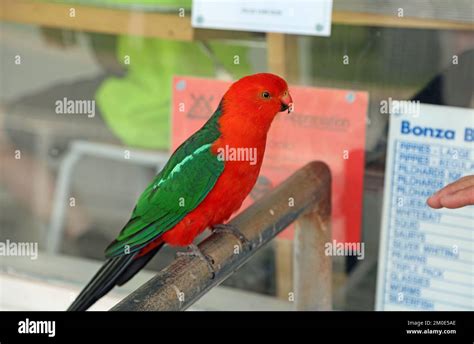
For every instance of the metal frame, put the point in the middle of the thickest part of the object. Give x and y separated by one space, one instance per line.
77 150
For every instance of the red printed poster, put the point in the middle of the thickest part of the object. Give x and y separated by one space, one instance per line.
327 124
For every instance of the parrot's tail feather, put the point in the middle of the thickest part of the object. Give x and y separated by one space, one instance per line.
138 263
115 271
104 280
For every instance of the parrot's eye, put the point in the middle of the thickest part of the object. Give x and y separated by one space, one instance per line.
266 95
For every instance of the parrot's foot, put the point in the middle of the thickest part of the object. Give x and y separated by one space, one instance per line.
231 229
194 251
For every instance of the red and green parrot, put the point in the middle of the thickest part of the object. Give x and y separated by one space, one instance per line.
198 188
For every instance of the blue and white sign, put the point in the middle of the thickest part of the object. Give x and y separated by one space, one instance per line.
304 17
426 259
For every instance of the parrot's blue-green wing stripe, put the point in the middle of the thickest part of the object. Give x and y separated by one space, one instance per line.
180 187
164 206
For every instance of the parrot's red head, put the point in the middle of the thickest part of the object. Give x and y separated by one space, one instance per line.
260 96
246 113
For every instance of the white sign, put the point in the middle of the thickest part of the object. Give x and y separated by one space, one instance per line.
305 17
426 255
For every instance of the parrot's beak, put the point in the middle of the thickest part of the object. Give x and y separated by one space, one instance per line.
286 103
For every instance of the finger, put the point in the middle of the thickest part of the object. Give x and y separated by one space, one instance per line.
457 185
458 199
434 200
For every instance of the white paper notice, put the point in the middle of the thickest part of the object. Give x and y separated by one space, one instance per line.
306 17
426 255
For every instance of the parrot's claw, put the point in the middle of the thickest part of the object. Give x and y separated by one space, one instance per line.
194 251
231 229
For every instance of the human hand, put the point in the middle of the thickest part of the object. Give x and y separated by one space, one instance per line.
455 195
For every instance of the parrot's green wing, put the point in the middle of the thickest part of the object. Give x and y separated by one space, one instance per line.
180 187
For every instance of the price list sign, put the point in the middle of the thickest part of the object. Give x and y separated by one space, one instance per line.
426 255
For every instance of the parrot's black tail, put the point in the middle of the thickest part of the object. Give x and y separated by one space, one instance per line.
104 280
115 271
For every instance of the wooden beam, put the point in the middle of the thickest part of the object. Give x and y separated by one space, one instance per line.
282 55
385 20
112 21
172 26
97 19
312 267
459 11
